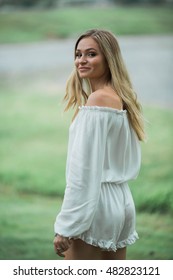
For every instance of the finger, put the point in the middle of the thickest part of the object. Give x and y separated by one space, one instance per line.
60 247
61 244
64 244
57 242
69 241
55 248
60 254
64 247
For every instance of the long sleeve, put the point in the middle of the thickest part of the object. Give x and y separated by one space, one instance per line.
85 161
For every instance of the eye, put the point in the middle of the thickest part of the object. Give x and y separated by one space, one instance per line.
91 54
78 55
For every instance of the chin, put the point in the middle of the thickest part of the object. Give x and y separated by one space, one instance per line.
83 76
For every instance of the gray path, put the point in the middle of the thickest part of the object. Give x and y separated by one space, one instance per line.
149 60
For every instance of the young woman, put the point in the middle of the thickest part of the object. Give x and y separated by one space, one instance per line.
97 218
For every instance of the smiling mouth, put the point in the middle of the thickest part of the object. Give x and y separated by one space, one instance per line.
83 69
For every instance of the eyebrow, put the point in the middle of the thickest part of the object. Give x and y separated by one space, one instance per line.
89 49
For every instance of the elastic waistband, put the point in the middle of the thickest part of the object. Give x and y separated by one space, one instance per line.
114 184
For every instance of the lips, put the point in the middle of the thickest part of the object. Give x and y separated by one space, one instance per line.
83 68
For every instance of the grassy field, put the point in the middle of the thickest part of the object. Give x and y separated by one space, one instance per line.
34 25
26 226
33 143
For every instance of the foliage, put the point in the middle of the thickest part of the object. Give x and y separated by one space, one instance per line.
28 3
132 2
51 3
36 25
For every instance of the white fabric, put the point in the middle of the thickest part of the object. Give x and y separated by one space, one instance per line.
103 154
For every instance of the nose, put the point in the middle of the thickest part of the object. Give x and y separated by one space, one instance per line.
82 59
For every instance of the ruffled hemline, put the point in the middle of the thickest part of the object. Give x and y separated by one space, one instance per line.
102 109
129 241
109 245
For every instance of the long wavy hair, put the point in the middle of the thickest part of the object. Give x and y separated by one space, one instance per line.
78 89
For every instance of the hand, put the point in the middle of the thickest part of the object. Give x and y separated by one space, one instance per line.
61 244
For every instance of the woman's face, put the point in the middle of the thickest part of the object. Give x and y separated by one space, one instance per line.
89 60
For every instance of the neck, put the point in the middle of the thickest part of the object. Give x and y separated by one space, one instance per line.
98 84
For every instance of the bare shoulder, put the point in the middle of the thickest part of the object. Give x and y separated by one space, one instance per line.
104 98
96 98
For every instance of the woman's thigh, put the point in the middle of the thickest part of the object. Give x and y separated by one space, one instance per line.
80 250
120 254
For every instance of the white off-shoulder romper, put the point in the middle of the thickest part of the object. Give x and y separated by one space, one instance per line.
103 154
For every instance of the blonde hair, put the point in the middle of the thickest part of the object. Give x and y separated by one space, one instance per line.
78 90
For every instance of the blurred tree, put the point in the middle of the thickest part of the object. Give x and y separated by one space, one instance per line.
53 3
156 2
29 3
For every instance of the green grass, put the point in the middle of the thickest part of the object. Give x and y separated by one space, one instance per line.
26 226
156 239
34 25
33 144
153 188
